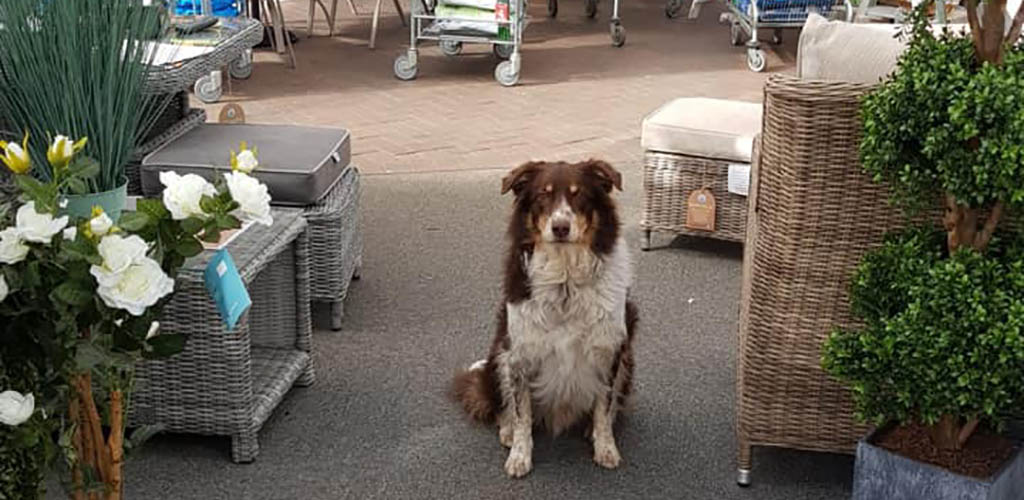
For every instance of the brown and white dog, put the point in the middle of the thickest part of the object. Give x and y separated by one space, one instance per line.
563 350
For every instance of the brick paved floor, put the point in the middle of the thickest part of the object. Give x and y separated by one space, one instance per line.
578 96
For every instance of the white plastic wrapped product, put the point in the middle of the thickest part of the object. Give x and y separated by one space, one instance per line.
464 19
478 4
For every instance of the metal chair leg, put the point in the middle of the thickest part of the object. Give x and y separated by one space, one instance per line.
373 25
334 17
401 14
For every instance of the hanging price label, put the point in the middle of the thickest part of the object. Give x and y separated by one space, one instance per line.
700 210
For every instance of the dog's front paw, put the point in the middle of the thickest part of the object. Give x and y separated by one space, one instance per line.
607 455
518 464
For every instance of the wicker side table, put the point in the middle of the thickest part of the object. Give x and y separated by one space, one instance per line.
227 382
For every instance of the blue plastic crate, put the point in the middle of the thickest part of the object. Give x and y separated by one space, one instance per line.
785 10
221 8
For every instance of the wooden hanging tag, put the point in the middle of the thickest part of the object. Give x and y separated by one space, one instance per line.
700 210
231 113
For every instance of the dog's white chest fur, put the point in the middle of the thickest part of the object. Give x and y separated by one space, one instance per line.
567 333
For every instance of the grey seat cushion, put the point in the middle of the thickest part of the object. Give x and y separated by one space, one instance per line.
299 165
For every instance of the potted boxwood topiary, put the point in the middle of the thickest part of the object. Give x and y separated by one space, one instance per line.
939 360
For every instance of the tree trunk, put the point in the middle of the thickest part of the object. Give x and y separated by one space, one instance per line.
945 433
116 446
104 457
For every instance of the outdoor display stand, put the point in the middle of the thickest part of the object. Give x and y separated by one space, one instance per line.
455 22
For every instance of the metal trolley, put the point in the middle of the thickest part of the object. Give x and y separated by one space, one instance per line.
746 17
618 33
423 27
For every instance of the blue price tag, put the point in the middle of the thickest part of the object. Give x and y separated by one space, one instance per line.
226 288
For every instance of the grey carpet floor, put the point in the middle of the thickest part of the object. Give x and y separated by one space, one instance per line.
377 423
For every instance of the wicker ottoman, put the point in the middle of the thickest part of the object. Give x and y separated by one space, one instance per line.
336 243
689 144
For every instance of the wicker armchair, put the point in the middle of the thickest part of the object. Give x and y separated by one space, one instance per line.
812 215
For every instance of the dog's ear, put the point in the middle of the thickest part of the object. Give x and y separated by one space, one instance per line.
520 176
604 173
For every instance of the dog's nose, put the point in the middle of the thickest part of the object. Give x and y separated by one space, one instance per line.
560 229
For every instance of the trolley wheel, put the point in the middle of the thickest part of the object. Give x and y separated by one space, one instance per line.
208 90
552 8
503 51
618 34
590 8
241 68
506 74
672 8
404 69
451 48
776 37
736 34
756 60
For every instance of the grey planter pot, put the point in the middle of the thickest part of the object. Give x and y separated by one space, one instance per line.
882 475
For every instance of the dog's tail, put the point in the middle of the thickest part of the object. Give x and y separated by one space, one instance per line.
478 391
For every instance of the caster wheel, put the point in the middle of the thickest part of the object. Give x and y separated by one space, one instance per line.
735 34
502 51
552 8
756 60
777 37
404 69
208 90
743 478
450 48
241 68
590 8
505 74
672 8
618 35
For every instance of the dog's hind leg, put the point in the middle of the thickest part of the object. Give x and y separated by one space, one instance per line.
518 412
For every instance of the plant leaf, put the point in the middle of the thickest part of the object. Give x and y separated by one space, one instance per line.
189 247
165 345
73 293
134 221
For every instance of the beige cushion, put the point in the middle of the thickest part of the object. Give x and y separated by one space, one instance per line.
836 50
841 51
698 126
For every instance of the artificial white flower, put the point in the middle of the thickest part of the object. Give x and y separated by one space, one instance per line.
16 408
4 289
252 197
119 252
71 233
245 161
154 330
62 149
182 193
12 248
100 224
36 227
136 288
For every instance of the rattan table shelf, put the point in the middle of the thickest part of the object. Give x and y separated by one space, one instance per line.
228 382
